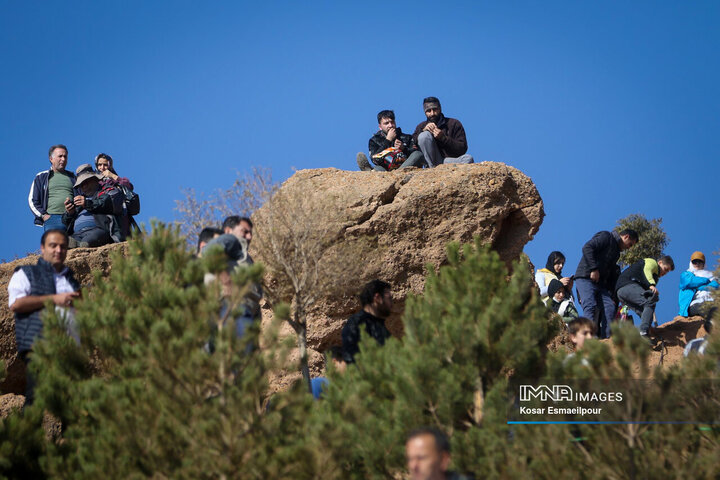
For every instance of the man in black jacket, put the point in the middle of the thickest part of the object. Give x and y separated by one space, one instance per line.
441 139
637 287
389 136
376 300
597 273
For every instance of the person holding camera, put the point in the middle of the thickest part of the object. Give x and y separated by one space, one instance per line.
390 148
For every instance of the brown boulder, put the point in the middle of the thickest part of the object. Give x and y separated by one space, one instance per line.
411 215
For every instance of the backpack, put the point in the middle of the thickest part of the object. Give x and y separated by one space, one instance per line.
390 158
132 201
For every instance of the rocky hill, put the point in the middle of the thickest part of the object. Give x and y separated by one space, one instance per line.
411 215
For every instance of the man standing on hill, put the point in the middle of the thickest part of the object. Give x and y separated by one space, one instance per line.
31 286
51 189
376 301
390 148
441 139
597 273
637 288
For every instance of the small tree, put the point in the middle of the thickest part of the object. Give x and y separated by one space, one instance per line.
143 397
307 256
653 238
247 193
470 332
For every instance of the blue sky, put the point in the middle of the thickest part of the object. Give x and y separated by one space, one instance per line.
610 107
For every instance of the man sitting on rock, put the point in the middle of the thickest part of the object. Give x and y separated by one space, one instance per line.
92 218
390 148
376 301
441 139
637 288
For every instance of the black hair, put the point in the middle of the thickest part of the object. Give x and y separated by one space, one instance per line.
442 442
575 324
552 260
235 220
667 260
207 234
54 147
385 114
108 158
371 289
336 352
431 100
631 233
56 230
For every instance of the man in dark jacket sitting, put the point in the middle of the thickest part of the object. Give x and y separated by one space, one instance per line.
441 139
376 300
404 153
637 287
597 273
92 216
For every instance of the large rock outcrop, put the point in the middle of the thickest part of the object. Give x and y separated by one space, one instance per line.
411 215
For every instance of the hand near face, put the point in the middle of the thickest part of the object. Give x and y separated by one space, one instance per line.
79 201
391 134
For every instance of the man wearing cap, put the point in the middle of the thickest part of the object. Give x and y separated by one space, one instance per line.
441 139
695 298
50 189
235 250
92 216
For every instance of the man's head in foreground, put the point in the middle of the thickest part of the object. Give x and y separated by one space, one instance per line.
54 248
581 329
428 454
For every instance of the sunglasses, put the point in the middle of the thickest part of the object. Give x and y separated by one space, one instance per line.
698 262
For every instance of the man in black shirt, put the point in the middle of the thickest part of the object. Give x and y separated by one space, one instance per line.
376 300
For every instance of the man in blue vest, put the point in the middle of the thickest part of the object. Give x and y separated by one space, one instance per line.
32 286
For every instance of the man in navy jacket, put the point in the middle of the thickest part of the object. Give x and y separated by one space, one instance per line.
50 189
597 273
